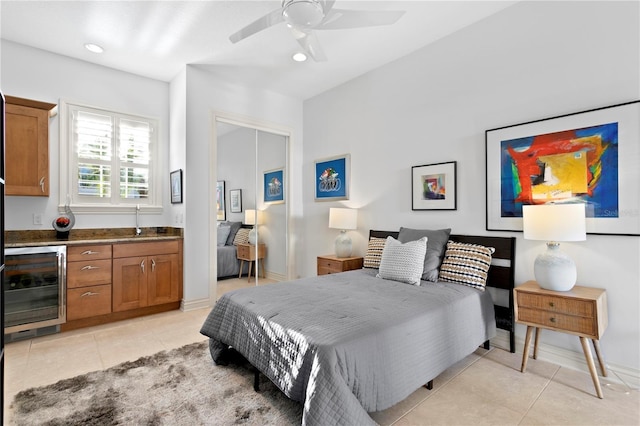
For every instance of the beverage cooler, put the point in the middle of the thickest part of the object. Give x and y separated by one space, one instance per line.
34 291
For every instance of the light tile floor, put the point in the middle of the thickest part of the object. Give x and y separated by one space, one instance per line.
484 388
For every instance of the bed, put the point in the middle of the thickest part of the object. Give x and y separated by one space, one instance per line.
228 263
351 343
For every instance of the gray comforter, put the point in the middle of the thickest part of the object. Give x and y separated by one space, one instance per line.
228 263
347 344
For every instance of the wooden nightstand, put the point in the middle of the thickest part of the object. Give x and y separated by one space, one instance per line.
248 252
581 311
330 264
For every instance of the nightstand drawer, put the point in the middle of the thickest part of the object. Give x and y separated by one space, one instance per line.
332 265
328 266
244 252
584 308
554 320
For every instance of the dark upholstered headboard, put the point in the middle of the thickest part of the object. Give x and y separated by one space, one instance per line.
501 273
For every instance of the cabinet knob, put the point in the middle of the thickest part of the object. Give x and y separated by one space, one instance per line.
552 319
89 293
551 304
89 252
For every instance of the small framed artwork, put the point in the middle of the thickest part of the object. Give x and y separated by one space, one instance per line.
274 186
332 178
588 157
433 186
220 201
176 186
235 201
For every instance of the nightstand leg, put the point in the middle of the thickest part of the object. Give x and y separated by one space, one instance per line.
525 351
241 266
603 367
535 343
591 365
249 274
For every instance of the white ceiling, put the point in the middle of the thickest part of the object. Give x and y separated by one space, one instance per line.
158 38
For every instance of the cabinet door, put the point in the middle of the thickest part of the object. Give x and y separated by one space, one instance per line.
163 279
129 283
27 151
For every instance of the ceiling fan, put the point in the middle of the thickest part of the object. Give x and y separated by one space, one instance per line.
304 16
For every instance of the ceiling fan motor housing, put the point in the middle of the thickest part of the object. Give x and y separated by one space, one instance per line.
303 14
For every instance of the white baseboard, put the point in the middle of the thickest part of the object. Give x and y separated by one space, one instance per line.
570 359
190 305
275 276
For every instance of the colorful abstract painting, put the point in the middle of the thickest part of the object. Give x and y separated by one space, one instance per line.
578 165
433 187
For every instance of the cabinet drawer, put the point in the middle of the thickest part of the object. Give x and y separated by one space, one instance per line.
93 272
145 249
81 253
329 265
584 308
88 302
554 320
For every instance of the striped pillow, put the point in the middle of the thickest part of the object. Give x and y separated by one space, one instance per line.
374 252
242 236
466 264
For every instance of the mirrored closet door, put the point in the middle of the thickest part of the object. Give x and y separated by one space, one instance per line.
251 173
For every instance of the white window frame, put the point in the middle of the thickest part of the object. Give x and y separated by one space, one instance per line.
69 166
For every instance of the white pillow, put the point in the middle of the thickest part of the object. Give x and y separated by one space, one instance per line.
403 262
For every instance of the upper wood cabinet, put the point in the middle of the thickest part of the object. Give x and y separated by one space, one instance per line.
27 146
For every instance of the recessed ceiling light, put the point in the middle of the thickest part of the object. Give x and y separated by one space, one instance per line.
299 57
93 48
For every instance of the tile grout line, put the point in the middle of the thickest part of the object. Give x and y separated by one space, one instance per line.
538 396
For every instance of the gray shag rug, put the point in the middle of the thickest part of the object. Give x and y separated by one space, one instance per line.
178 387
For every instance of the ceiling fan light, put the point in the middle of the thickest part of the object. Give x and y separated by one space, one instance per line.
93 48
299 57
302 13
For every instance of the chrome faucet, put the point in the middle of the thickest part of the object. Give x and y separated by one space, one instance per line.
138 229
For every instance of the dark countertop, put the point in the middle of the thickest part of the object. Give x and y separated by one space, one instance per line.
35 238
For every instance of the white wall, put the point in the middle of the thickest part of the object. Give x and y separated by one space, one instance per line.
206 95
44 76
531 61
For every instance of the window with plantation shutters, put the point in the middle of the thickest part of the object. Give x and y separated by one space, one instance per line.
111 160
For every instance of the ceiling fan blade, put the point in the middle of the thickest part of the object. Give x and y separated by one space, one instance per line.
310 43
260 24
338 19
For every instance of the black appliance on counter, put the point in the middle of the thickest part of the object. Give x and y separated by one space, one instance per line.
34 288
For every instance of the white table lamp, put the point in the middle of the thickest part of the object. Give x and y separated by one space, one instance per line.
553 269
343 219
253 217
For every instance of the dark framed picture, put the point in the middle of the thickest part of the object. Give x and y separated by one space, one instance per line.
332 178
176 186
220 201
433 186
273 182
588 157
235 201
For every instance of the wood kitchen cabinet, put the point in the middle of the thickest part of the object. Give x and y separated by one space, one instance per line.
27 146
146 274
88 281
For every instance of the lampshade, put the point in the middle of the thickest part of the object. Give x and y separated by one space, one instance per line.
252 217
343 218
554 222
553 269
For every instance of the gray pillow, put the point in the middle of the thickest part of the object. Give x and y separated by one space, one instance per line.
436 245
232 232
223 233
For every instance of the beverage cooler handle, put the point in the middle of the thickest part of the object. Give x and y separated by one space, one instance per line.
62 273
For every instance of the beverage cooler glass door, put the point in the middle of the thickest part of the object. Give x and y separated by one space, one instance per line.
34 287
